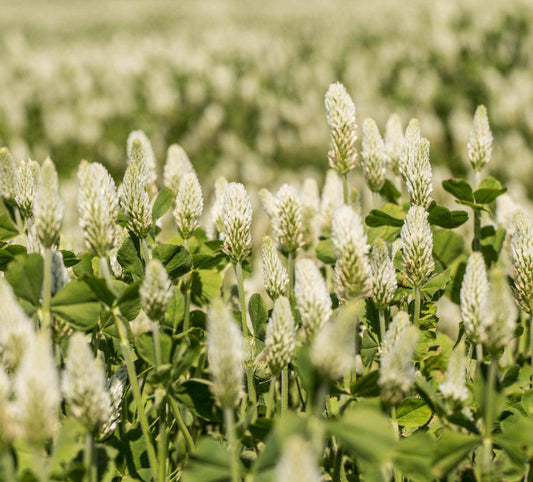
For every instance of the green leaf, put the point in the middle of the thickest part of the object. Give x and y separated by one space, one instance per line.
67 446
459 188
129 302
145 347
389 215
209 463
85 265
258 314
197 397
209 255
8 253
367 385
492 243
100 289
325 252
441 216
77 304
175 309
176 259
413 412
7 229
162 202
447 246
25 275
206 285
489 190
437 283
451 449
389 192
69 258
367 432
413 456
128 258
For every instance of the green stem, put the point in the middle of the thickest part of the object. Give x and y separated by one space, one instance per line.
479 355
284 390
229 421
394 418
337 464
531 350
157 344
145 251
89 458
104 270
382 326
187 317
128 358
21 227
346 189
290 266
271 396
162 443
486 459
47 291
476 245
181 424
417 305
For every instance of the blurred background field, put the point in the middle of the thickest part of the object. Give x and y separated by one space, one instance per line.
240 84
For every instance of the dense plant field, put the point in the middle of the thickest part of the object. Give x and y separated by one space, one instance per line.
383 342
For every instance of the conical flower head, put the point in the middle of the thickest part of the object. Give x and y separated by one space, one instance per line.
343 129
394 140
297 462
216 216
480 142
397 370
417 246
237 222
268 201
415 167
176 166
499 323
349 240
37 393
332 198
48 208
84 385
374 156
115 387
97 207
522 257
312 297
226 355
140 152
383 280
333 348
275 276
16 329
474 296
26 186
280 339
8 174
155 290
310 208
287 220
454 385
189 205
135 202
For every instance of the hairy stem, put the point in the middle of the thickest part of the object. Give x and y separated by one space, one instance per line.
382 326
417 305
486 459
157 344
47 291
346 189
145 251
187 317
231 436
284 390
476 244
394 419
89 459
181 424
290 266
531 350
162 443
271 396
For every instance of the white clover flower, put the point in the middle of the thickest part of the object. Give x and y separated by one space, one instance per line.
474 296
97 207
84 385
16 329
216 216
522 258
37 393
332 198
189 205
312 297
237 222
225 352
373 156
135 202
349 240
383 279
394 140
417 246
415 167
397 370
268 201
27 178
333 348
8 174
480 141
280 339
297 462
115 387
176 166
498 325
310 198
275 276
48 209
120 237
287 219
6 410
155 291
141 324
343 129
59 273
140 152
454 385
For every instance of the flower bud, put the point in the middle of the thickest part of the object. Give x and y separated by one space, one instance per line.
374 156
287 219
383 280
280 339
216 216
135 202
115 387
26 186
8 174
275 276
155 290
297 462
237 222
332 198
140 152
454 385
522 258
394 140
176 166
480 142
189 205
310 208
